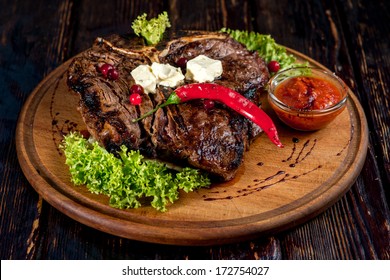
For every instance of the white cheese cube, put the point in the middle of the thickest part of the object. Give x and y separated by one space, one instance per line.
203 69
167 75
144 77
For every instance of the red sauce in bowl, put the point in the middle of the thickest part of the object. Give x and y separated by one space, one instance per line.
308 93
307 102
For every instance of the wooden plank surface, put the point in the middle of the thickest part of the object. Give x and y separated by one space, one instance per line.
349 37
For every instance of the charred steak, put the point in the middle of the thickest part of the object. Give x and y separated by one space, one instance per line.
213 139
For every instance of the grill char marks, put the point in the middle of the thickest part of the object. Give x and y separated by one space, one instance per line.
210 139
104 104
206 139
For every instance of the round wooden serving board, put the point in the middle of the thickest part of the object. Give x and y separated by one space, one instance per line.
274 189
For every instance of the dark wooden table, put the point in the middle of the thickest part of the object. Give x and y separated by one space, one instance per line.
349 37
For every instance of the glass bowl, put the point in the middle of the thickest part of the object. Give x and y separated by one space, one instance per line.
307 98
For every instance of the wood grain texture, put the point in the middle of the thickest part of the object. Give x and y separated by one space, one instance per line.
33 44
369 56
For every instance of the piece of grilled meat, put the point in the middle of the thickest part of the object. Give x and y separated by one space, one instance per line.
213 139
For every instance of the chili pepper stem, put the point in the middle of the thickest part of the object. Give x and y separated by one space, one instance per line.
172 99
148 113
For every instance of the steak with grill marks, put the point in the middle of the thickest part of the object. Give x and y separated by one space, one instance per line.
213 140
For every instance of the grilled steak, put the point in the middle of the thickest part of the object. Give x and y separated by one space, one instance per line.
213 139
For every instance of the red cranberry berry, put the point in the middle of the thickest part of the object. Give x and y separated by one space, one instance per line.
182 62
135 98
113 74
208 104
85 133
273 66
137 89
105 68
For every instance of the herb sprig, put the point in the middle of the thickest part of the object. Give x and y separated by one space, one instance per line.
266 47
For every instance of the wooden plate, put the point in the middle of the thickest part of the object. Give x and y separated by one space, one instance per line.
275 189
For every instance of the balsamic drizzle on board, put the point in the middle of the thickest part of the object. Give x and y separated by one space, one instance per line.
280 176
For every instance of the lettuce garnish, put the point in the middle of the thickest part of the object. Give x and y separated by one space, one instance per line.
152 30
266 46
129 180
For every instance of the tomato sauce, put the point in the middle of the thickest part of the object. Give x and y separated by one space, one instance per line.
308 93
305 96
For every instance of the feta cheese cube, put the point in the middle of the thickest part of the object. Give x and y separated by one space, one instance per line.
143 76
167 75
203 69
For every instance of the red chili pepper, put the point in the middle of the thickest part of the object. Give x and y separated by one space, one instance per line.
227 96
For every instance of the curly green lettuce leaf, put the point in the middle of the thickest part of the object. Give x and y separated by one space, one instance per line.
152 30
266 46
129 180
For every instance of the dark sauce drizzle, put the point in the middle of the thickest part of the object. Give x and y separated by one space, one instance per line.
299 157
260 184
280 176
349 141
294 148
